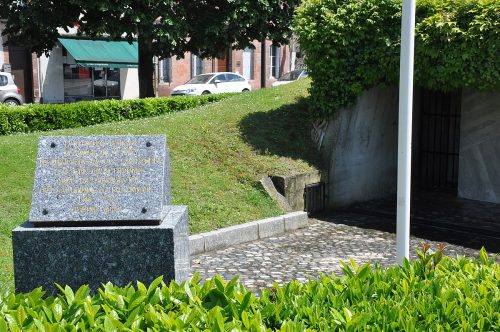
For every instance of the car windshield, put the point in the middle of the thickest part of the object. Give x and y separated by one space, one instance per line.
291 76
200 79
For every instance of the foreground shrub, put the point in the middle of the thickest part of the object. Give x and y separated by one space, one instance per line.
430 294
41 117
352 46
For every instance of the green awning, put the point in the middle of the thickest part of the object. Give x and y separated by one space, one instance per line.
102 53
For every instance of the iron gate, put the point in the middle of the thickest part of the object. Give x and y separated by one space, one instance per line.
314 197
439 139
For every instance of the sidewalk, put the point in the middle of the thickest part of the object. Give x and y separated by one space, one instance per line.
306 253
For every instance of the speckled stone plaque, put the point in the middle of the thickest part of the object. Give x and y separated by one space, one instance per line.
100 180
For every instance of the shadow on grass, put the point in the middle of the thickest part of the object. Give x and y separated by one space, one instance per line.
285 131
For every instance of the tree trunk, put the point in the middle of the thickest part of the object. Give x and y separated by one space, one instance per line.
146 68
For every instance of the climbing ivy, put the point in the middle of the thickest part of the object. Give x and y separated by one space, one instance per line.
352 46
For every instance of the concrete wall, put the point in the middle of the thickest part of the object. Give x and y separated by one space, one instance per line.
36 83
51 77
4 54
360 144
129 83
292 187
479 159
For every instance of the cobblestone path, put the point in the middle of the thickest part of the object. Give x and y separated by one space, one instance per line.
306 253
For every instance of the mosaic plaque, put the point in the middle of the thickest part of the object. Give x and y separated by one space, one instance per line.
100 180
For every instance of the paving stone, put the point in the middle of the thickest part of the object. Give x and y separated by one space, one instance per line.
307 253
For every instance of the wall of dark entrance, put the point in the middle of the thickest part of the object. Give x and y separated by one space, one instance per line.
479 169
22 69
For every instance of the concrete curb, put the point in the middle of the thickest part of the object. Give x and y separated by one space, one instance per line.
251 231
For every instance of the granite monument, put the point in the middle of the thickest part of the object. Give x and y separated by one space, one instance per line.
101 211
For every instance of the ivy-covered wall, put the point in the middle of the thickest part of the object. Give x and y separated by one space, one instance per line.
352 46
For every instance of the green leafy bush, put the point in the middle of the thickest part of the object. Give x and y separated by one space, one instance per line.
42 117
352 46
433 293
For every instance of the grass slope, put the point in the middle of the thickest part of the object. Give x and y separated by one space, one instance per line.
218 153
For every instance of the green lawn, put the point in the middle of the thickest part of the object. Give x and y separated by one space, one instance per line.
218 153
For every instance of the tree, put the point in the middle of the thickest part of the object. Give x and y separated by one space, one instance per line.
163 28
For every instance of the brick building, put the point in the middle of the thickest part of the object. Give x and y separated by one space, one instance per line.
173 72
23 66
64 76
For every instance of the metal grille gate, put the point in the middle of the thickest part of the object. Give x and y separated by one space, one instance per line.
439 139
314 197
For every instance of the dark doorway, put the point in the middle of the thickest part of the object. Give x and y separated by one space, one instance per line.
224 63
439 140
22 69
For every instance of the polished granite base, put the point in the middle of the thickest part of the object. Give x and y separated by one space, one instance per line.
93 256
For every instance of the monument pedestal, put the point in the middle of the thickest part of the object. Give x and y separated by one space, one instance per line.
77 256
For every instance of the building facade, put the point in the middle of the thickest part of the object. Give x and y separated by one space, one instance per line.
22 64
86 69
173 72
79 69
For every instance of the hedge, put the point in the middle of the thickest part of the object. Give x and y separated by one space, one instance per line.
42 117
351 46
433 293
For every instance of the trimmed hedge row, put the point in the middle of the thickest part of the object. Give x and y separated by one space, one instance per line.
42 117
352 46
433 293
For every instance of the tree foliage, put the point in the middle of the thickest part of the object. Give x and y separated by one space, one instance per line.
352 46
163 28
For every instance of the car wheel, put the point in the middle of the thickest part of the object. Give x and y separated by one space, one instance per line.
205 92
12 102
245 90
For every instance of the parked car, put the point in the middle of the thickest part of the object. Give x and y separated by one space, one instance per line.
213 83
291 76
10 94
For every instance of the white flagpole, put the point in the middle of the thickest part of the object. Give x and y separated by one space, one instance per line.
404 130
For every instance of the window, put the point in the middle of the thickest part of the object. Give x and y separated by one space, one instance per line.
274 62
196 65
200 79
77 81
248 63
222 78
3 80
234 78
166 70
106 83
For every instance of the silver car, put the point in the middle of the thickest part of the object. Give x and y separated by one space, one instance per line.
9 92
